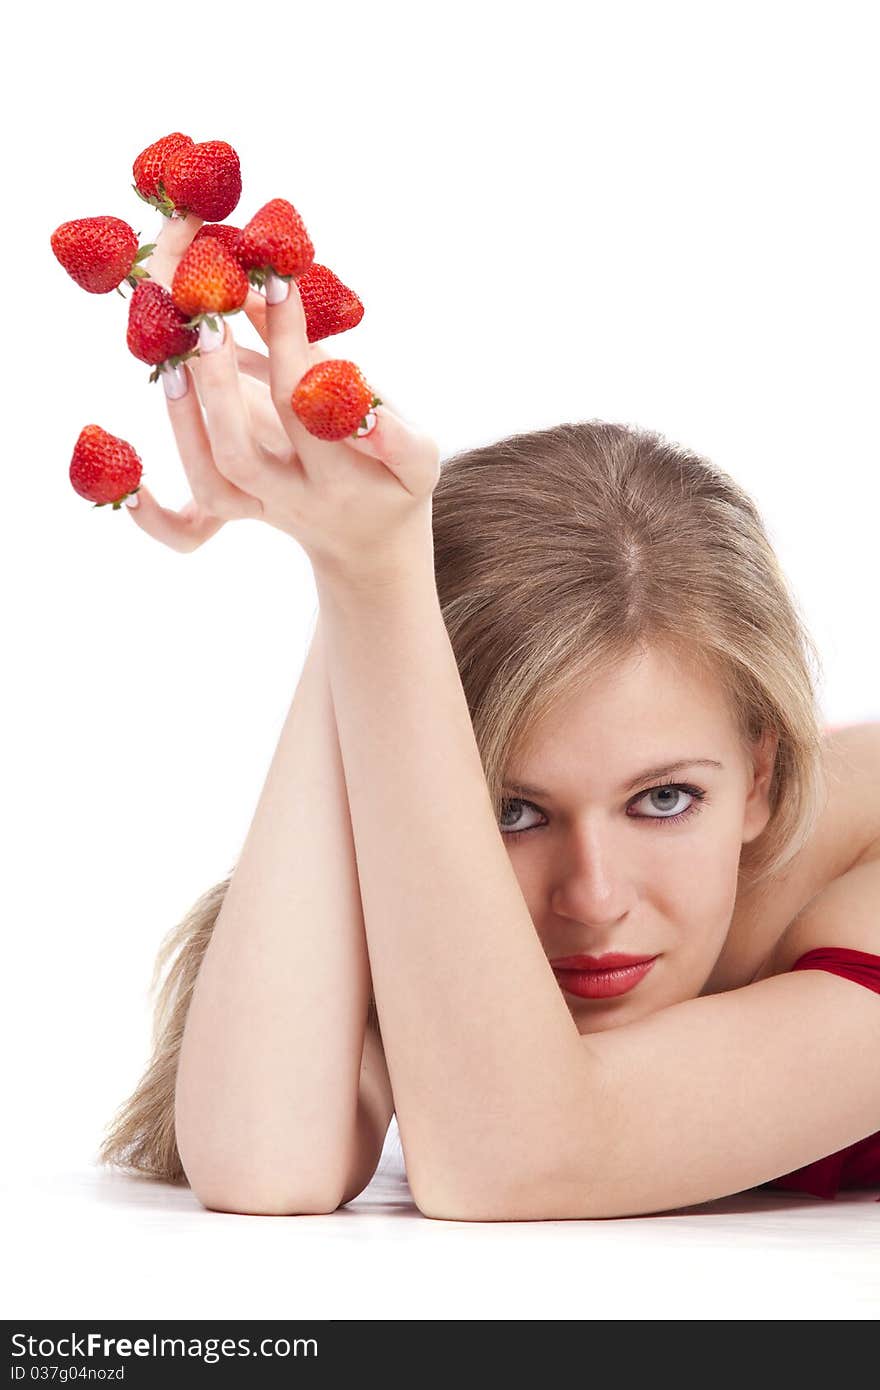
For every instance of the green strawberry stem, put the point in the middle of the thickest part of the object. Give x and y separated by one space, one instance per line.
162 203
119 501
377 400
172 362
257 276
211 316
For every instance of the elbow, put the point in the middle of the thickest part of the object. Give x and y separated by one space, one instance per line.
260 1190
254 1198
441 1201
534 1199
257 1185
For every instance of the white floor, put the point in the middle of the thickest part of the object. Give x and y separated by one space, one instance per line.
93 1243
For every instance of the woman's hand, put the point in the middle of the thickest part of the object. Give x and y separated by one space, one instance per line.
352 505
214 501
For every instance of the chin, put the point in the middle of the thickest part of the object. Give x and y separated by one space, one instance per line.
599 1015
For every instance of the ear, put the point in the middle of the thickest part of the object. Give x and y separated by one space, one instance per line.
757 811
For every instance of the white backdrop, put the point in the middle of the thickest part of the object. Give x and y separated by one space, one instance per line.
658 214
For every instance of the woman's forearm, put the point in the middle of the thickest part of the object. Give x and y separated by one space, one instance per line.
267 1086
483 1054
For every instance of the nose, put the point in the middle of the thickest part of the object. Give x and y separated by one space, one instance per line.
591 881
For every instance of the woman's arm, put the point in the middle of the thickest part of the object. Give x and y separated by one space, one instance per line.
484 1056
267 1103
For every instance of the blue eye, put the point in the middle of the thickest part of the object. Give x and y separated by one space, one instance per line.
696 794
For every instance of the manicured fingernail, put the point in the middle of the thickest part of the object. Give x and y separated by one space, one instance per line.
276 288
175 381
209 338
132 500
371 423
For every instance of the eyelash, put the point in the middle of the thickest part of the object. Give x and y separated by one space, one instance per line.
695 807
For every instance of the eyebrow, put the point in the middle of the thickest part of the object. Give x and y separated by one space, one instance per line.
664 771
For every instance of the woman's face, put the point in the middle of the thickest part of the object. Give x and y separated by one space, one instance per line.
611 860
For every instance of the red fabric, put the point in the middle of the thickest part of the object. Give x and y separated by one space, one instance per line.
858 1165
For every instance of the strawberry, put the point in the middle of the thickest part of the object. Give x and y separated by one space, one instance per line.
100 252
149 169
203 179
332 399
275 239
157 331
104 468
226 234
330 307
208 281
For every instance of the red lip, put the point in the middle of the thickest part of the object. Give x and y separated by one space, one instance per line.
603 984
612 961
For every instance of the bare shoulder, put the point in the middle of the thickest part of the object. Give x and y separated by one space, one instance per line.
849 828
847 833
845 910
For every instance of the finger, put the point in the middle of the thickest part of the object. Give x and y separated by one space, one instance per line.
184 531
289 359
252 363
257 363
173 239
411 455
226 420
255 308
233 448
265 427
210 488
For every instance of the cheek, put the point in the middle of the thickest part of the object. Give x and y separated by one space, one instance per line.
698 884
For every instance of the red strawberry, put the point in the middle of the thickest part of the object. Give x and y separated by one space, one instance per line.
330 307
332 399
104 468
208 281
149 169
100 252
157 331
203 179
223 231
275 239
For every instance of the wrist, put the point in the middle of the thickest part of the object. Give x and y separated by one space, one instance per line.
403 563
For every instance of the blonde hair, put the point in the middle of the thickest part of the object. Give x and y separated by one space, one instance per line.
560 553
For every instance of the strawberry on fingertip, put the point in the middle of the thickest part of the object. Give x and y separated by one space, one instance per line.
208 281
333 400
148 169
275 239
157 330
329 305
104 468
224 232
100 252
177 176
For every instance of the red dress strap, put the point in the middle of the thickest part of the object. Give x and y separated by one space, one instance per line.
860 966
858 1165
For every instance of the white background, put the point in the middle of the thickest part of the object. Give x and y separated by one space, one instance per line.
657 214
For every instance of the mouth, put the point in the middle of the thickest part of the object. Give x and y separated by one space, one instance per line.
612 960
590 983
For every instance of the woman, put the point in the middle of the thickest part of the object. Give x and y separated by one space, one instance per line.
572 610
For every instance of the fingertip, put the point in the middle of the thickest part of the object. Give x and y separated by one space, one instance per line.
175 381
277 288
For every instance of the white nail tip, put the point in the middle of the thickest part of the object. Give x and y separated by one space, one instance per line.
276 288
132 500
174 381
371 421
209 339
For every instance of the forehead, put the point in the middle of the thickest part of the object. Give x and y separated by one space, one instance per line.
650 707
